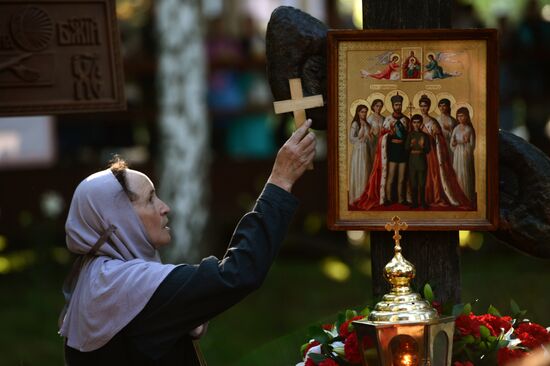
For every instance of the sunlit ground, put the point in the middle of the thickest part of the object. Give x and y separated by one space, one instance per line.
269 326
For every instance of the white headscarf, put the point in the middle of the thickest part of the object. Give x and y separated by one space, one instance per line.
115 284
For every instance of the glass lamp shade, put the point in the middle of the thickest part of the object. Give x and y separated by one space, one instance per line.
406 343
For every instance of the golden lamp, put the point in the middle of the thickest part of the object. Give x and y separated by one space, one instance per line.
404 329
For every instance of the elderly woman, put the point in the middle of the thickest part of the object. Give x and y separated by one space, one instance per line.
124 307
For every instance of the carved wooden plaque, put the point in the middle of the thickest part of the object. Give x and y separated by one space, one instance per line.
59 57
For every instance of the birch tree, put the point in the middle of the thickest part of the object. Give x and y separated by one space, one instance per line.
183 123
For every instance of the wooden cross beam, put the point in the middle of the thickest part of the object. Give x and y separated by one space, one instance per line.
298 103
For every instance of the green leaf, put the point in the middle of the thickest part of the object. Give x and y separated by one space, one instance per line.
365 312
428 293
340 320
517 313
514 307
467 309
484 332
493 311
317 333
502 343
469 339
317 357
458 309
303 348
448 308
350 314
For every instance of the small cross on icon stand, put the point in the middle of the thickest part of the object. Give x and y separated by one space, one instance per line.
298 103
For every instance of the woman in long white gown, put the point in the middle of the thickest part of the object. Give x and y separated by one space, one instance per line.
375 120
360 153
463 143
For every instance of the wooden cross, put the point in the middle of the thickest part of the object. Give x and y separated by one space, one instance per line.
396 225
297 104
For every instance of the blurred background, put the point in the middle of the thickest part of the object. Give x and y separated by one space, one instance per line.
228 151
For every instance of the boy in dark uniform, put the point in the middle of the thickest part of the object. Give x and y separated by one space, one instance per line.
417 145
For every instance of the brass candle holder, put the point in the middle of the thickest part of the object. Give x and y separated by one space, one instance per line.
405 328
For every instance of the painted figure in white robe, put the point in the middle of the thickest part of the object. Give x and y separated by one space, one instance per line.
361 153
446 121
375 120
463 143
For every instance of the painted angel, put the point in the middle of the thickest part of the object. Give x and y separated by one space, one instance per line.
390 72
434 71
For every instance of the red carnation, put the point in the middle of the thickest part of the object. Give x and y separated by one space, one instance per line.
328 362
468 324
351 349
495 324
532 335
344 330
311 344
506 355
327 326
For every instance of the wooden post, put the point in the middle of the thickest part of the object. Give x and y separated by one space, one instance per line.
434 254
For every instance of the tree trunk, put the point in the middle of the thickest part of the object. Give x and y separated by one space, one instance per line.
183 124
434 254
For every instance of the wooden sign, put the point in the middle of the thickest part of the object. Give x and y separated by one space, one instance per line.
59 57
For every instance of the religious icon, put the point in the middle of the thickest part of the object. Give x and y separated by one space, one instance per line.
404 138
411 68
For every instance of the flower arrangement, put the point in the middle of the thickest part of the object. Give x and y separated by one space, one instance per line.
334 344
488 339
494 339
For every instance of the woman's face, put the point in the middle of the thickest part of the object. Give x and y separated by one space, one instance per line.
363 113
461 117
150 209
424 107
377 107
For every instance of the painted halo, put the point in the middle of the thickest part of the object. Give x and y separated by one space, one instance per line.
429 94
354 105
387 101
394 55
460 105
372 97
449 96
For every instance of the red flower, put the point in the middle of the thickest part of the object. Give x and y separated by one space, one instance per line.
344 330
468 324
327 326
495 324
309 362
438 307
328 362
351 349
311 344
532 335
465 363
505 355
